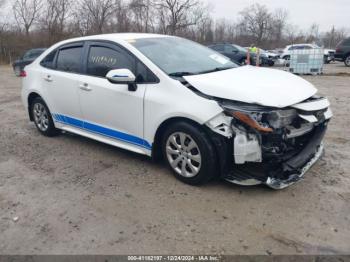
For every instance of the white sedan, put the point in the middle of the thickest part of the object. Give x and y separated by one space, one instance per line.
170 98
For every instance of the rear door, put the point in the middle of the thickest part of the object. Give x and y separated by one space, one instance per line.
61 79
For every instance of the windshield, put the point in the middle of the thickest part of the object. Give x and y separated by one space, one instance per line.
177 56
242 49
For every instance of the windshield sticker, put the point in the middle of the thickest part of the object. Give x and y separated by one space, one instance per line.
220 59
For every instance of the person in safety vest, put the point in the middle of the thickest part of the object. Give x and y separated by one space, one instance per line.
253 49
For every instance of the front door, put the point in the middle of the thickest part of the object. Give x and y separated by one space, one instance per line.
108 109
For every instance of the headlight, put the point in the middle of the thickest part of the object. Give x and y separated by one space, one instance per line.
261 118
250 121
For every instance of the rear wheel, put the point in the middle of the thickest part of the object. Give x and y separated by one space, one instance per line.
189 153
347 60
42 117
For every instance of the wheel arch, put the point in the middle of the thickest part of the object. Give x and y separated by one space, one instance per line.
221 144
30 99
156 147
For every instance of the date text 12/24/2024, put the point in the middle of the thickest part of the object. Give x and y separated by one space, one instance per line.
174 258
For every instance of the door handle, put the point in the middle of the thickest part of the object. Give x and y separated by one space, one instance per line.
48 78
85 87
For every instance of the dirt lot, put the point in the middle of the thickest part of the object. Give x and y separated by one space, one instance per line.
76 196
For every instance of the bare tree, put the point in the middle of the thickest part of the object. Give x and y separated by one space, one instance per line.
177 15
143 15
256 22
122 18
314 33
26 12
54 17
278 25
203 32
92 16
333 37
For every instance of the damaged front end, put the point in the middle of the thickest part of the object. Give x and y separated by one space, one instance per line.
272 146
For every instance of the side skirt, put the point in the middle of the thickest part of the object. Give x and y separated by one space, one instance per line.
103 139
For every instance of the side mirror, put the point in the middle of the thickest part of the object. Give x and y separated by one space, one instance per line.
122 76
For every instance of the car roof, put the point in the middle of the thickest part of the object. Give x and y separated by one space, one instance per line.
119 36
301 45
115 37
37 49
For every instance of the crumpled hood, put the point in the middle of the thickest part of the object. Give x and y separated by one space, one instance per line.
249 84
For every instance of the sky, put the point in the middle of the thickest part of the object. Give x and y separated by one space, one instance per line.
302 13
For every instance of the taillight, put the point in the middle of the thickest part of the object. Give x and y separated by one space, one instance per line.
23 73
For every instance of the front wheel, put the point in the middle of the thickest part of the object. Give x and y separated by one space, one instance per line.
189 153
347 60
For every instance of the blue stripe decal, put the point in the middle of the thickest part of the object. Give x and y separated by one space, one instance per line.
102 131
74 122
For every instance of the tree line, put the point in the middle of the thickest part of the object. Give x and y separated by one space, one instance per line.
27 24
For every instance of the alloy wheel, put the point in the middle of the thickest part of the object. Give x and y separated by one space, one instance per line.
183 154
41 117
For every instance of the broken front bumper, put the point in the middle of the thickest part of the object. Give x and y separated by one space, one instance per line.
276 183
279 175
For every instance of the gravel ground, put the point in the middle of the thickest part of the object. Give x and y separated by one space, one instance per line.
72 195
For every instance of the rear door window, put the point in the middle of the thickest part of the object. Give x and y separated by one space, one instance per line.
48 61
69 59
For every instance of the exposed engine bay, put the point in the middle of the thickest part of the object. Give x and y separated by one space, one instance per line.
272 146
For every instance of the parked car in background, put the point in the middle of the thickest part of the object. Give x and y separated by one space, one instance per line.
267 58
170 98
264 58
236 53
328 53
272 55
26 59
343 51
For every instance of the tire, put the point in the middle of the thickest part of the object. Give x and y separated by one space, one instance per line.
17 70
189 153
42 118
347 61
